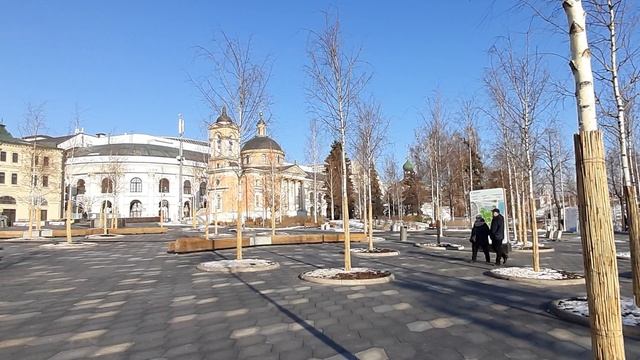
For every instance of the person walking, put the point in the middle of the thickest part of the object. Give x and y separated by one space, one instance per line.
497 236
480 239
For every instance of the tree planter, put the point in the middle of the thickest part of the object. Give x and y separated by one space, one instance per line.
237 266
544 277
103 236
375 252
338 276
625 255
440 247
66 246
542 248
576 310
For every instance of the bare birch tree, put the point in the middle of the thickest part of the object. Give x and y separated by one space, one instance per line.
371 133
313 156
238 83
336 82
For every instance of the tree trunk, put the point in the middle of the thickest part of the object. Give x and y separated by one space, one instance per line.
315 197
599 253
30 229
345 206
68 223
370 212
512 202
239 220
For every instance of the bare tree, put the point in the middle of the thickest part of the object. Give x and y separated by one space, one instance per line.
371 134
554 155
526 81
237 83
313 156
336 83
113 182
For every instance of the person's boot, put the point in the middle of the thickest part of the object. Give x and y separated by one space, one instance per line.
504 258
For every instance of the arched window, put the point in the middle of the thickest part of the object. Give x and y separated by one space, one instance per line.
230 145
80 187
106 205
217 182
219 143
246 159
135 209
163 185
136 185
203 188
218 202
186 189
7 200
107 186
163 207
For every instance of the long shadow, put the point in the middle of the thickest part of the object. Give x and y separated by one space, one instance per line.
298 320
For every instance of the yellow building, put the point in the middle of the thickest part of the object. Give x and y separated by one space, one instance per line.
268 181
30 173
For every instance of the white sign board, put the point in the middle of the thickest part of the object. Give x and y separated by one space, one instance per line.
483 201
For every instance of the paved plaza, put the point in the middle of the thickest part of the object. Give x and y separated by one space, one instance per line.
132 300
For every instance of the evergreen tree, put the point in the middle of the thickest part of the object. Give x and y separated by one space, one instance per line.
333 176
413 192
376 194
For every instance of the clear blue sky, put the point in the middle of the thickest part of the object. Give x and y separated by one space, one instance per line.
125 63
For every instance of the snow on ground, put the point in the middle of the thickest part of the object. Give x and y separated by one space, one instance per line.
332 272
529 245
579 306
68 246
624 255
218 265
442 245
528 273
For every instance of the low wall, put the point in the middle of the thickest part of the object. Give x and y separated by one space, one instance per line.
59 233
196 243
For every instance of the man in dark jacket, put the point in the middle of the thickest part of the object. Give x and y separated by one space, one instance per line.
480 239
497 236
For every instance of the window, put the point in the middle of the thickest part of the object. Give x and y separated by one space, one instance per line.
7 200
14 179
230 145
135 209
163 186
1 178
264 158
258 200
34 180
45 181
3 156
36 160
217 182
203 189
107 186
14 157
186 189
218 202
246 159
136 185
45 161
219 143
80 187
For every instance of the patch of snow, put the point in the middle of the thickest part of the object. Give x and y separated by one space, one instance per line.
579 306
442 245
624 255
67 246
332 272
528 273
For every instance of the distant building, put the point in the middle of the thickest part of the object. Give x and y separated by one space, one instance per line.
30 178
267 178
133 174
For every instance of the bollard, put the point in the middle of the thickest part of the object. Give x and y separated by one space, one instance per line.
403 233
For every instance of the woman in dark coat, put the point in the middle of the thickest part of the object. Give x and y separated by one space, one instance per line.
480 239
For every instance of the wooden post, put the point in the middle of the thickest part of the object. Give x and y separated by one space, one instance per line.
634 239
599 252
535 255
104 220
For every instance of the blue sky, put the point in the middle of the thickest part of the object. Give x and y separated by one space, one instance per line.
126 63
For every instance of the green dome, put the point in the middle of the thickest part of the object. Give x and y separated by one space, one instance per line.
408 165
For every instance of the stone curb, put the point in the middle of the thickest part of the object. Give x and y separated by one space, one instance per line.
375 255
239 269
536 281
316 280
103 237
540 250
64 246
565 315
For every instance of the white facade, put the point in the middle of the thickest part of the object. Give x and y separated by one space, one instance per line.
137 190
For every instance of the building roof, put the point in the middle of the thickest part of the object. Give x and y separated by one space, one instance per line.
261 143
6 137
224 118
408 166
139 150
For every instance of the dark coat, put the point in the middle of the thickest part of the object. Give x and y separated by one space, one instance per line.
497 228
480 233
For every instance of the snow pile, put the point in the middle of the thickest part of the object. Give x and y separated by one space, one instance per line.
373 251
238 265
528 273
579 306
624 255
445 245
528 245
340 273
67 246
